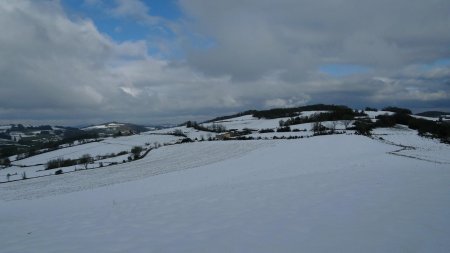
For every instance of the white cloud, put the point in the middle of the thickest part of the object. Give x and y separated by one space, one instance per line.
134 9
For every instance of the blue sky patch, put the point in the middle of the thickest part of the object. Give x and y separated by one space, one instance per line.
125 28
441 63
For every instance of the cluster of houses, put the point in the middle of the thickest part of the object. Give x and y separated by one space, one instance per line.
234 133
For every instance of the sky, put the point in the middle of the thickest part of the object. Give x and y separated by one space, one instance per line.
74 62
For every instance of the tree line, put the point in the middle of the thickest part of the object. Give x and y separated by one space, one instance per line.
294 112
215 128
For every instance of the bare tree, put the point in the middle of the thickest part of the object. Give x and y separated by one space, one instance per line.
318 128
346 123
86 159
218 128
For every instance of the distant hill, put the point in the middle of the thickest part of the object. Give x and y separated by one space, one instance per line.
292 112
114 127
397 110
433 114
250 112
289 112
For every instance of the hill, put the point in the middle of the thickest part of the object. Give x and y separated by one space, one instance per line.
238 184
308 195
113 128
434 114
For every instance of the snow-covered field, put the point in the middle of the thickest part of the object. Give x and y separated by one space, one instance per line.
103 126
250 122
373 114
4 128
36 164
163 160
189 132
107 146
338 193
410 144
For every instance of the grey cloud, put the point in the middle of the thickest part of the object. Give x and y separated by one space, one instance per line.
52 66
255 37
291 39
59 69
46 60
55 68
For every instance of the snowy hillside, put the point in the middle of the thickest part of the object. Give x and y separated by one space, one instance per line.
104 126
248 121
35 165
334 193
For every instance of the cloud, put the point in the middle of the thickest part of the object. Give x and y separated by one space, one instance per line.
287 102
47 60
235 56
293 40
134 9
54 67
53 64
420 88
254 37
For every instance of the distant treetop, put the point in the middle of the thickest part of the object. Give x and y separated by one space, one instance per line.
397 110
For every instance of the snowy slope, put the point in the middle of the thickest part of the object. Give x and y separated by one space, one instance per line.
36 164
189 132
373 114
342 193
107 146
3 128
104 126
423 117
163 160
248 121
410 144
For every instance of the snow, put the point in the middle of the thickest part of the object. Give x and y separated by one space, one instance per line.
248 121
282 134
410 144
310 113
189 132
116 159
95 127
373 114
4 128
34 166
106 146
340 193
104 126
423 117
16 172
162 160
